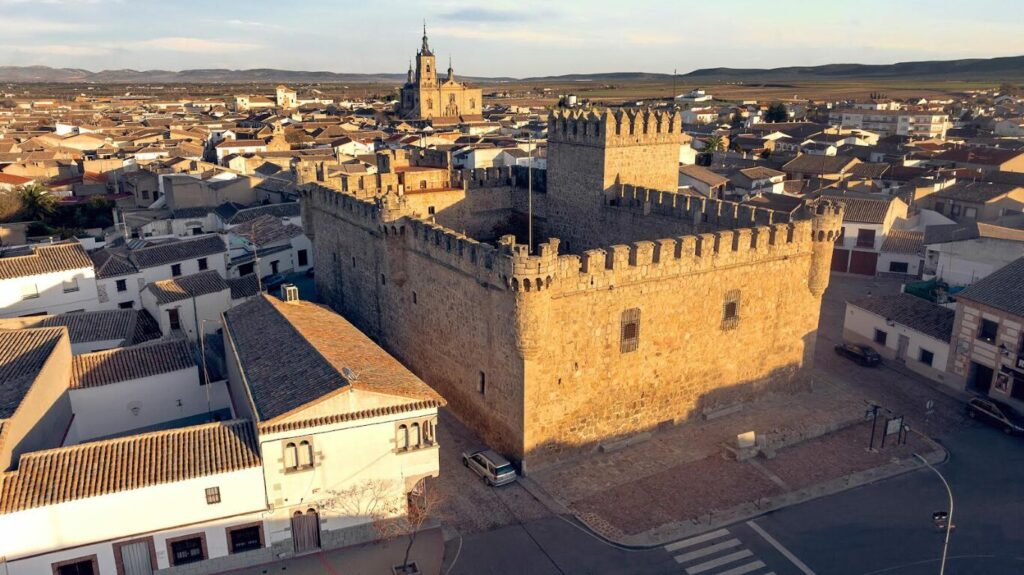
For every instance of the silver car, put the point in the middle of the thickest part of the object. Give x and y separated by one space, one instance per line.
494 469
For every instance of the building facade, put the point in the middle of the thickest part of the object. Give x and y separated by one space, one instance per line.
426 96
642 307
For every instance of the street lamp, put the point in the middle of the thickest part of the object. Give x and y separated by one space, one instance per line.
949 520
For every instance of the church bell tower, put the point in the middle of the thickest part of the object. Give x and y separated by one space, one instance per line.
426 71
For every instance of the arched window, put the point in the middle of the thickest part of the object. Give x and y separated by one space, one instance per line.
402 441
291 456
414 435
305 454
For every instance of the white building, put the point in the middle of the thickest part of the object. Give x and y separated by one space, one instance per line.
316 411
961 254
122 272
188 305
279 248
47 279
902 328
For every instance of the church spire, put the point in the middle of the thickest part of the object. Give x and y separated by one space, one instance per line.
451 72
425 49
409 77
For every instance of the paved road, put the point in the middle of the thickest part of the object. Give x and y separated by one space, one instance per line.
883 528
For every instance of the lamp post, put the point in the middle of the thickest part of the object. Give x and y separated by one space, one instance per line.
949 519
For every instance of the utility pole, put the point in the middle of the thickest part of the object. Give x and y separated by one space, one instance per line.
529 191
949 519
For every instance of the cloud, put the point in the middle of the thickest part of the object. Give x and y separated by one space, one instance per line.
195 45
56 50
14 26
519 35
652 39
490 15
250 24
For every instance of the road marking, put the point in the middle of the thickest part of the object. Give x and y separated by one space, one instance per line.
778 547
709 550
744 569
695 540
719 562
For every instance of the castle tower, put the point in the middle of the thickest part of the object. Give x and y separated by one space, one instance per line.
826 226
591 152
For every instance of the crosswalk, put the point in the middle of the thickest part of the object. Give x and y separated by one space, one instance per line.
716 553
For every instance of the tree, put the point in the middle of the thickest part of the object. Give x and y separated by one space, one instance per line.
36 202
737 118
777 112
393 514
714 144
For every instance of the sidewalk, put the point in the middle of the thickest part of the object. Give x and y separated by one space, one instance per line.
679 483
367 559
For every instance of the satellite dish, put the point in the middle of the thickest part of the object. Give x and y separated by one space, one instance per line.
349 374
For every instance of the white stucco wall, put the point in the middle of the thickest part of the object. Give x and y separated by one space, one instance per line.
164 511
107 410
52 298
859 326
191 312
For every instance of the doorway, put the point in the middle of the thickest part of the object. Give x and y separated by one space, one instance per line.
980 378
135 557
901 348
306 531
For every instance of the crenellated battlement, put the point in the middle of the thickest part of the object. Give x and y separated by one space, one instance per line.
621 127
483 177
694 210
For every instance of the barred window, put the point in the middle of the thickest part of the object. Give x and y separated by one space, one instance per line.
731 310
629 338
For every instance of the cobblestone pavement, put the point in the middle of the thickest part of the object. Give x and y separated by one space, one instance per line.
468 505
680 474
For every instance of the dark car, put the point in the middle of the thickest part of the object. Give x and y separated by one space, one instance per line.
862 354
273 281
996 414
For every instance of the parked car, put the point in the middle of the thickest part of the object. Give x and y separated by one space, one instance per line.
273 281
494 469
862 354
996 414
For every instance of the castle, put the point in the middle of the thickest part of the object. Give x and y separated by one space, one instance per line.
644 306
424 96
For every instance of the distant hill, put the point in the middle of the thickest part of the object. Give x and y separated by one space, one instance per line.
1009 68
985 69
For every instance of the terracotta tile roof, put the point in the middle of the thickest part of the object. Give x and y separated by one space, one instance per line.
863 210
975 192
983 156
185 287
946 233
245 286
22 354
1002 289
92 469
702 174
903 242
110 263
134 362
916 313
176 251
265 230
82 327
293 354
350 416
811 164
44 259
282 210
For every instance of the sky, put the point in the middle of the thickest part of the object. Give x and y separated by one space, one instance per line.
516 38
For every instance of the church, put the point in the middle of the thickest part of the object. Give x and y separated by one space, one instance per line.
424 96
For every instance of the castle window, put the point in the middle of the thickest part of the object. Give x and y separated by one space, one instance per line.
481 384
431 209
731 310
383 280
629 339
414 436
353 261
